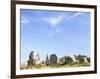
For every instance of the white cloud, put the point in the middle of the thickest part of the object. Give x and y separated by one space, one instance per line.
53 21
24 20
73 16
55 32
51 34
58 30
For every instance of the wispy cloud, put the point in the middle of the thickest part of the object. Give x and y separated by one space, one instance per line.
24 20
58 30
53 21
73 16
51 34
55 32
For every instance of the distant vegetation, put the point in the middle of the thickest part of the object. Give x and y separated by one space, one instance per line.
53 61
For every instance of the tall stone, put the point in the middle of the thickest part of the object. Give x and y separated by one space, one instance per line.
62 60
73 58
69 60
37 59
31 60
83 59
47 61
53 59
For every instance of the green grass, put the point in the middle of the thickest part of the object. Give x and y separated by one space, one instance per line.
43 66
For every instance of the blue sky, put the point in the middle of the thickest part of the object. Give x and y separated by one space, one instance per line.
60 32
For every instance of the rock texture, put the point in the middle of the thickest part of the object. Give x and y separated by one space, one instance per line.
47 61
53 59
31 60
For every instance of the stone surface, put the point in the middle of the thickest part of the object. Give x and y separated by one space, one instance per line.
62 60
53 59
31 60
83 59
47 62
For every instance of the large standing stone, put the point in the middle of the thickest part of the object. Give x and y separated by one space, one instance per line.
53 59
31 60
69 60
47 62
62 60
37 59
83 59
73 58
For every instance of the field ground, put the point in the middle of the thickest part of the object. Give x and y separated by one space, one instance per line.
43 66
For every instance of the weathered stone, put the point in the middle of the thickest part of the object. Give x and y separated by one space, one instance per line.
62 60
37 59
31 60
53 59
69 60
47 62
83 59
34 59
73 58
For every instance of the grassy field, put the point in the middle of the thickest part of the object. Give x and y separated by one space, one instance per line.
43 66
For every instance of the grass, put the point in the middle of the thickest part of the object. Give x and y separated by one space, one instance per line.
43 66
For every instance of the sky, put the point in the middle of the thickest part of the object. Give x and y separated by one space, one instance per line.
61 32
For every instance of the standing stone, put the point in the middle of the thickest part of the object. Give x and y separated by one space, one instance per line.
88 59
53 59
85 59
31 60
73 58
47 60
37 59
69 60
62 60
